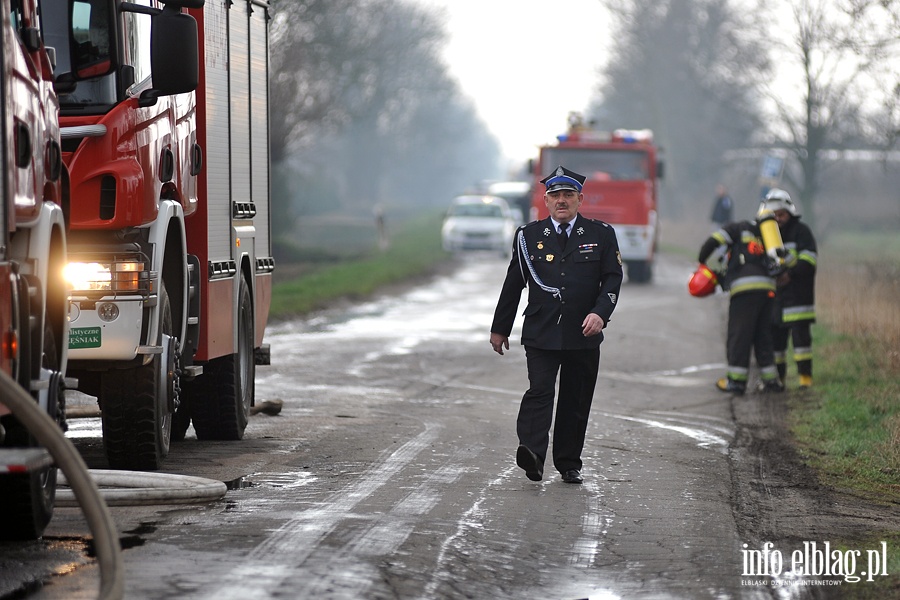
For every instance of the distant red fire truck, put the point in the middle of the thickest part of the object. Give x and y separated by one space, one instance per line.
623 169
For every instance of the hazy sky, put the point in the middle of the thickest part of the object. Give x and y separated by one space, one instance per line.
525 63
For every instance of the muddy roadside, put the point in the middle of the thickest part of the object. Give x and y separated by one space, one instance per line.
778 499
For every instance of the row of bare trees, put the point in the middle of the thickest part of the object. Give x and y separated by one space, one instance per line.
364 111
803 77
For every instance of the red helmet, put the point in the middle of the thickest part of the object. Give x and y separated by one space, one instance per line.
703 282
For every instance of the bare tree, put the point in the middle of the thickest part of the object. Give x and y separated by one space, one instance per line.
686 69
838 60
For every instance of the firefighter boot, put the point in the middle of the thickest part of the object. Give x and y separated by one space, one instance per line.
805 381
731 386
770 385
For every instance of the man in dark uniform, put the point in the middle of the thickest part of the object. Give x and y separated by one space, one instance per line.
573 271
795 304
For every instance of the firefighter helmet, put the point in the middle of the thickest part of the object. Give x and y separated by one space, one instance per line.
777 199
703 282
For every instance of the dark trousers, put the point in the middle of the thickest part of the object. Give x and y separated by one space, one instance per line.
577 371
750 331
801 337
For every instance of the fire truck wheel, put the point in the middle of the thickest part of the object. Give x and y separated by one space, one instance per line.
134 404
221 398
26 500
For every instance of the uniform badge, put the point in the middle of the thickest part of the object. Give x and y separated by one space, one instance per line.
550 258
619 257
546 232
540 245
580 231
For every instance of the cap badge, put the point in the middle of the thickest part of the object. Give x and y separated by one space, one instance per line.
560 172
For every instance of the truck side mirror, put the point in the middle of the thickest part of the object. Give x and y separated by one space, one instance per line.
174 54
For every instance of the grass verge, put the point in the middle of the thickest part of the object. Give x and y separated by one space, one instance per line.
848 426
414 250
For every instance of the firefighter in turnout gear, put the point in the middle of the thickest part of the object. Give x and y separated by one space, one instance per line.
795 308
749 279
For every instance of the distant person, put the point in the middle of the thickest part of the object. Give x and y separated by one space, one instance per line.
795 305
381 227
723 208
751 284
573 271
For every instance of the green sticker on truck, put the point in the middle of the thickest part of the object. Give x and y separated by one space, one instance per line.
84 337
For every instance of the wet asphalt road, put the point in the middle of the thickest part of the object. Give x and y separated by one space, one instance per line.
390 472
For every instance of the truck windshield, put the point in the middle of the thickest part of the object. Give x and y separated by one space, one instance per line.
599 164
90 95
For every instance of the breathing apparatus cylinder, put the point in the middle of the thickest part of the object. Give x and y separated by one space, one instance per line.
771 235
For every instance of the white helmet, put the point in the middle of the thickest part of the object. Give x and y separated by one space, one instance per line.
778 199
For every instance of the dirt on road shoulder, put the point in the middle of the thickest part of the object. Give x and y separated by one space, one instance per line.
778 499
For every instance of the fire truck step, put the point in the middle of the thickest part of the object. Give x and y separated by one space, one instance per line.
23 460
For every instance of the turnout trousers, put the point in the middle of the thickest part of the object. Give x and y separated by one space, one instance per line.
577 371
801 338
750 332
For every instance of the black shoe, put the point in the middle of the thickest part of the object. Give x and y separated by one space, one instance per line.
572 476
730 386
528 460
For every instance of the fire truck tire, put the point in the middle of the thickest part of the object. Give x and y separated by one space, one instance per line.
639 271
134 404
220 399
26 500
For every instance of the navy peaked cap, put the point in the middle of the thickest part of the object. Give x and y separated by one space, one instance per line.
563 179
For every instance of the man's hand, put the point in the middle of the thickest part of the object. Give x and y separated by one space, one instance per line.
499 342
592 324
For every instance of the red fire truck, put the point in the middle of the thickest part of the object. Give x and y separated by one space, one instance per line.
622 170
164 124
33 322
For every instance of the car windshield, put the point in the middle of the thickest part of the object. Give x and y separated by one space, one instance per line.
476 210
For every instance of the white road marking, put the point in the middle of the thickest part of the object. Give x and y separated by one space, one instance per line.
274 560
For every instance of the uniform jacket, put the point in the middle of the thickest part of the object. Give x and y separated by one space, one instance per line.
749 267
587 273
796 299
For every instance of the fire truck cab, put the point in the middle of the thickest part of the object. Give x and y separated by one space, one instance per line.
33 308
164 124
622 171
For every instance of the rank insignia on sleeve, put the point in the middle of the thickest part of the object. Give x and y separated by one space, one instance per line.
619 257
550 258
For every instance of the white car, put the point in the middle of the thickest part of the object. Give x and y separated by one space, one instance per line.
479 223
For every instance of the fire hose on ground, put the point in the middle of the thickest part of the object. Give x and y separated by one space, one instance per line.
96 512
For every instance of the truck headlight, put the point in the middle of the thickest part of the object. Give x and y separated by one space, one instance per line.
88 276
111 277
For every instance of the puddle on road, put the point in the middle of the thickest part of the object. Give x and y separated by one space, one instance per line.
286 480
707 436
